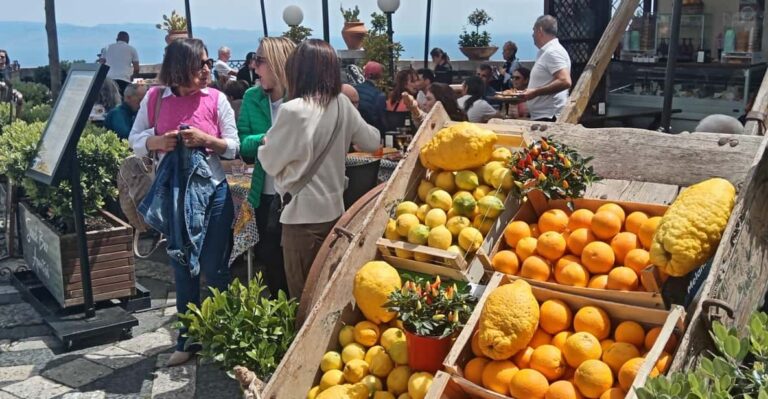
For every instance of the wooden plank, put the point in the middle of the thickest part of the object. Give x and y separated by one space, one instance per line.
127 261
443 387
102 297
607 189
760 105
95 282
95 274
75 262
74 293
97 250
439 256
598 62
641 155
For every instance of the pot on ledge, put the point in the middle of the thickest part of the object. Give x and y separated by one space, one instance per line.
175 34
479 53
353 34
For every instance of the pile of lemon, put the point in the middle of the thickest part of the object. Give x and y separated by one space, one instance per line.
377 359
455 210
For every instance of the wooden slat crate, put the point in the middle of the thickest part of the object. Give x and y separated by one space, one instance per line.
671 321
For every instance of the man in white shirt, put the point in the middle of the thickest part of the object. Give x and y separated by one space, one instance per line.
547 92
222 69
123 61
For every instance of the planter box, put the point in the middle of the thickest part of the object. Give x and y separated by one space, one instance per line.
670 321
55 258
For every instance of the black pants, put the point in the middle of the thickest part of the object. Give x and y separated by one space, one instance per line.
268 250
121 85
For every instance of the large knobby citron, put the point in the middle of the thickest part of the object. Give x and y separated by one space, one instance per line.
508 320
373 284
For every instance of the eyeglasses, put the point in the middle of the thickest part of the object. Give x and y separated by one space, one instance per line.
209 63
258 60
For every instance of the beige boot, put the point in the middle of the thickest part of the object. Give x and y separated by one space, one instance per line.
178 358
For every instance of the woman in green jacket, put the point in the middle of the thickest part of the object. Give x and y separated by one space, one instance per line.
258 110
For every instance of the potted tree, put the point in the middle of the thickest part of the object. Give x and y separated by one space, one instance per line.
176 26
354 31
476 45
431 314
298 33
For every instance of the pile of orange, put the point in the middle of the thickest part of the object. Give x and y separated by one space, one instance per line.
584 354
606 249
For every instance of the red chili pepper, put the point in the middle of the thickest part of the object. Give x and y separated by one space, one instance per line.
544 168
556 173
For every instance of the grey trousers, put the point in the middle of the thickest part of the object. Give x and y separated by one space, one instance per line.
300 245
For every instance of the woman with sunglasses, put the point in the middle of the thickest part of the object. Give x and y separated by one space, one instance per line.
188 112
259 109
520 78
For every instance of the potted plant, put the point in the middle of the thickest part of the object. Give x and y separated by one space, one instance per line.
476 45
176 26
354 31
431 314
298 33
377 48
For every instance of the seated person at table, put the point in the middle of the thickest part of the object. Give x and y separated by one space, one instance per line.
351 93
435 92
426 78
478 110
248 71
405 80
485 72
235 90
372 99
120 120
720 124
520 82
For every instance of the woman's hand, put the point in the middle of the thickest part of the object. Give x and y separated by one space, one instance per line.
164 143
194 137
408 100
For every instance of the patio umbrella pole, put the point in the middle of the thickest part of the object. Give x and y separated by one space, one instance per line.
189 18
326 24
264 19
426 37
669 79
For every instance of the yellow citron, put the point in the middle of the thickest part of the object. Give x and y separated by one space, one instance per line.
445 182
405 222
490 206
418 384
484 224
456 224
440 237
424 188
418 234
390 336
312 394
435 217
355 370
457 250
470 239
489 168
508 320
390 233
406 207
366 333
373 383
501 154
403 253
422 257
373 351
373 284
346 391
481 191
397 380
346 336
404 396
331 378
331 361
467 180
502 178
458 147
398 351
421 213
440 199
383 395
352 351
381 364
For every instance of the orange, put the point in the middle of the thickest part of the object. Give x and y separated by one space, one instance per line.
598 257
523 358
553 220
634 220
593 320
628 372
598 281
556 316
525 248
622 279
663 363
515 231
551 245
618 354
497 374
615 209
613 393
529 384
578 239
593 378
475 344
605 225
630 332
535 232
559 339
549 361
540 337
572 274
535 268
565 260
581 347
647 230
505 262
653 334
637 260
606 343
580 218
562 390
622 243
473 371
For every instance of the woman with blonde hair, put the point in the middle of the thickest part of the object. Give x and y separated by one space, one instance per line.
257 113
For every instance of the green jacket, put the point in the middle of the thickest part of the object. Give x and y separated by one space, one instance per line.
252 125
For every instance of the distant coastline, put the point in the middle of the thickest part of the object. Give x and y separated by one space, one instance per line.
26 42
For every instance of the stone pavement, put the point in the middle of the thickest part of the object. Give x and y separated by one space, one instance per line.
34 365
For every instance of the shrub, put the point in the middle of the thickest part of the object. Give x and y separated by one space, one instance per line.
36 113
376 45
34 93
477 19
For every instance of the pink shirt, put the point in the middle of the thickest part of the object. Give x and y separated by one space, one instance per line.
198 110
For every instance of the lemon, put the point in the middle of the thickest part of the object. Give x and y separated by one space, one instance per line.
406 207
381 364
445 181
331 378
383 395
366 333
397 380
483 223
489 168
470 239
464 204
355 370
456 224
502 178
391 231
490 206
501 154
457 250
501 195
451 213
346 336
418 234
312 394
373 383
440 237
440 199
424 188
398 351
352 351
390 336
435 217
331 361
405 222
373 351
481 191
403 254
418 385
422 257
404 396
467 180
421 213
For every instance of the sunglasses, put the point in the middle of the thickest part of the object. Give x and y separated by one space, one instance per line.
259 60
517 78
209 63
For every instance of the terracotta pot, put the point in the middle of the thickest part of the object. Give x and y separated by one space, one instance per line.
175 34
479 53
353 34
427 353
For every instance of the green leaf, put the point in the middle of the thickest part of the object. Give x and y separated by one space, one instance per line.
732 346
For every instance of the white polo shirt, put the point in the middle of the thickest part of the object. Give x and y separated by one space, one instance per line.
551 58
223 69
120 57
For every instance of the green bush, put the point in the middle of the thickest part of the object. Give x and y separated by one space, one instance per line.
18 145
477 19
298 33
377 48
34 93
241 327
36 113
5 110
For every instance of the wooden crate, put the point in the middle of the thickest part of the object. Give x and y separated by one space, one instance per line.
55 258
537 204
670 321
444 386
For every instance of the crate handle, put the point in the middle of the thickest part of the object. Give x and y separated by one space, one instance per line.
709 317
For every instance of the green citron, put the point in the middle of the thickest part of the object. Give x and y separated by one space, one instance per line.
490 206
418 234
466 180
440 199
435 217
406 207
464 204
456 224
440 237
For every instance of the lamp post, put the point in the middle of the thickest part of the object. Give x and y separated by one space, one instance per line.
292 15
264 19
189 17
426 36
389 7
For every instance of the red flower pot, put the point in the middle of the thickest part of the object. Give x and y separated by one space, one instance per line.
427 353
353 34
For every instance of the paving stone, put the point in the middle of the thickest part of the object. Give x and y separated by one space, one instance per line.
170 311
47 341
17 373
85 395
77 373
174 382
148 344
20 358
22 332
18 314
37 387
114 357
4 344
213 382
9 294
6 395
134 382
